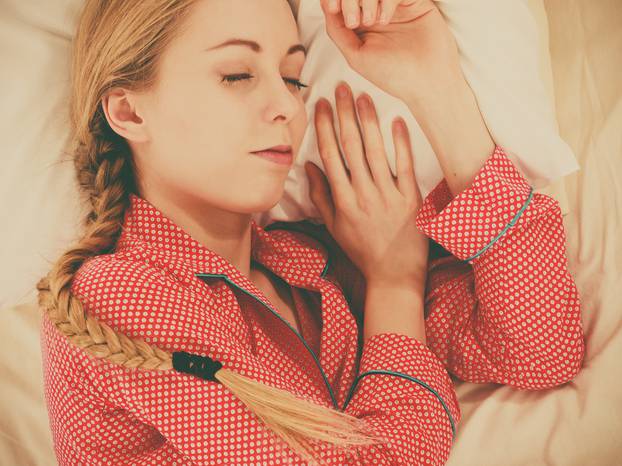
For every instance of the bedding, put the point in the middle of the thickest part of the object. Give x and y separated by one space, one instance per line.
576 425
505 64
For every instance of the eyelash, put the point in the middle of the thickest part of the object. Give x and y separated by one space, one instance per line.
232 78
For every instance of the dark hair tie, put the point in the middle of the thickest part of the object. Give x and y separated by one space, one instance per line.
195 364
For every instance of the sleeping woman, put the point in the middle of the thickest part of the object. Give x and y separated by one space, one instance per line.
179 331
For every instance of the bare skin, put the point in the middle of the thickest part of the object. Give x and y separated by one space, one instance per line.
194 134
278 292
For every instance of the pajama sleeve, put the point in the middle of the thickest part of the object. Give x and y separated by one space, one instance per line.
502 305
103 413
405 393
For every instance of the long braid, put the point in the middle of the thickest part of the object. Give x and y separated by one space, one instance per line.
103 173
106 175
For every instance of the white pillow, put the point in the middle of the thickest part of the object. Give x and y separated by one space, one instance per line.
39 197
500 52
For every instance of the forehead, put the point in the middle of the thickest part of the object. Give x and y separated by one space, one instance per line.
269 22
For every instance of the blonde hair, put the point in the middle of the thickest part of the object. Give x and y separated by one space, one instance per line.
118 43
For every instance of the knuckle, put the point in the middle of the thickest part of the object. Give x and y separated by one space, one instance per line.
367 201
330 154
343 205
349 143
375 152
403 204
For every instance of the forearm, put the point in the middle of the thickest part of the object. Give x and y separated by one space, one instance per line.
394 309
451 120
505 298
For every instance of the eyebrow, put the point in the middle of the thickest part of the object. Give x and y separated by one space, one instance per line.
255 47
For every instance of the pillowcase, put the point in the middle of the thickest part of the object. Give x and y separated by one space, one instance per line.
503 61
40 196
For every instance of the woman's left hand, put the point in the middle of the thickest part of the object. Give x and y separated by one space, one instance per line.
413 57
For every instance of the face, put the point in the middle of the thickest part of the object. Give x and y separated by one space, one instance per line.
214 106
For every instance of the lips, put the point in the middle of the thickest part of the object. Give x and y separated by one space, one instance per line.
282 149
279 154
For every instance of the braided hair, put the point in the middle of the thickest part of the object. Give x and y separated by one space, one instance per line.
117 44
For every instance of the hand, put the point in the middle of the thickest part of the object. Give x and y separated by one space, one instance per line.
370 213
413 57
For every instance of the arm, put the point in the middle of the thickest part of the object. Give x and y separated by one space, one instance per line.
394 308
503 307
181 418
512 314
452 123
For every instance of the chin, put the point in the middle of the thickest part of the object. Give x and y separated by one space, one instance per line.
261 201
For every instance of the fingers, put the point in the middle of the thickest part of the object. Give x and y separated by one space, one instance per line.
371 11
367 159
405 170
333 6
374 145
351 13
345 38
340 185
351 140
362 12
319 192
388 10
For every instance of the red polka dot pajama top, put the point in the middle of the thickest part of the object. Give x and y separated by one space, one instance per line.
500 307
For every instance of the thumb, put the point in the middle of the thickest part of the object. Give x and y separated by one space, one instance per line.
345 38
319 192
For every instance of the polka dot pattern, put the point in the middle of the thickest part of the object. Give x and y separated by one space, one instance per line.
480 212
512 315
162 285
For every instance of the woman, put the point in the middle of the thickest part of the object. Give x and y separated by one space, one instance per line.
178 331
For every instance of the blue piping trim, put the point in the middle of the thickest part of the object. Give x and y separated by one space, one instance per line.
408 377
317 362
512 222
323 274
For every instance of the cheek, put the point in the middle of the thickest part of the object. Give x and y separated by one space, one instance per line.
202 141
202 125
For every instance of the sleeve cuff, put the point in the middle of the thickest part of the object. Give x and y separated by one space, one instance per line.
477 217
406 359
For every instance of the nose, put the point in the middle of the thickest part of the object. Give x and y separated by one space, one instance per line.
283 103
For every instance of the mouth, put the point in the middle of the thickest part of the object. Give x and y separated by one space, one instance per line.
283 155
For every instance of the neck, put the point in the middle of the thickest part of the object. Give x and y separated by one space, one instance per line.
226 233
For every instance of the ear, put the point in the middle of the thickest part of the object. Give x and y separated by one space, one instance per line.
119 106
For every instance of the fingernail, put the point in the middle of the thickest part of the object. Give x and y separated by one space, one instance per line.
363 101
332 5
383 17
342 90
401 126
367 17
351 20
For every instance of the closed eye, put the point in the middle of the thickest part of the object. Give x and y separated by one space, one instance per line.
232 78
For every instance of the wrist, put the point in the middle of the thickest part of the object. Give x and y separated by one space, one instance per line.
438 94
379 286
394 309
454 126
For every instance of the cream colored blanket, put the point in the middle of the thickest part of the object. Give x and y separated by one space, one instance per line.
578 424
